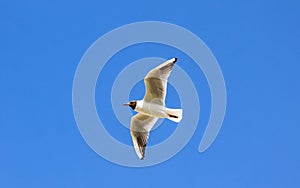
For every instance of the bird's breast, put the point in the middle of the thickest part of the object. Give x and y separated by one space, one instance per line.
152 110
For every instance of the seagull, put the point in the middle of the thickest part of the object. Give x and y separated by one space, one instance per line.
152 106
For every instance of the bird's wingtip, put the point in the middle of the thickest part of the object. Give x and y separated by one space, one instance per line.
175 59
140 155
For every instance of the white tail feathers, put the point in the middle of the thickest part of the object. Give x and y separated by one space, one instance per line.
174 114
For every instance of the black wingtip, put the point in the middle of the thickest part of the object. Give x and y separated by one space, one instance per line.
175 59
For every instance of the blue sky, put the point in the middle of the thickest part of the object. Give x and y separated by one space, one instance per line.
256 44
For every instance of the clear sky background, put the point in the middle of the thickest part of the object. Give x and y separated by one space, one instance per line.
256 44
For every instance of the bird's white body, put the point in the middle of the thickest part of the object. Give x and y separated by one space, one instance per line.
151 109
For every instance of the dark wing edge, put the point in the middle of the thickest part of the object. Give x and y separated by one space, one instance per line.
139 140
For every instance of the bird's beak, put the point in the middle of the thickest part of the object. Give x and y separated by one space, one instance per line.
126 104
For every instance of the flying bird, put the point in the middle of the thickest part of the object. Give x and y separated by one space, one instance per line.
152 106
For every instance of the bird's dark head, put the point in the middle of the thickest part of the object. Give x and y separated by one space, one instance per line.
132 104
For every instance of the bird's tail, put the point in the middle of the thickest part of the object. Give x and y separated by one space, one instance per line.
174 114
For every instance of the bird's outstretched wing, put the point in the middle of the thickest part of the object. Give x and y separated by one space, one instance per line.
156 82
139 128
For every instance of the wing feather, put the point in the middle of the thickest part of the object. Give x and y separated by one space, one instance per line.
139 129
156 82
